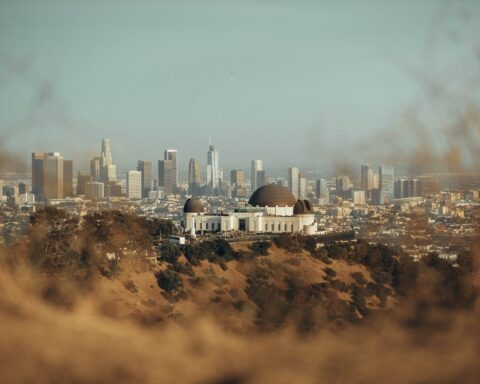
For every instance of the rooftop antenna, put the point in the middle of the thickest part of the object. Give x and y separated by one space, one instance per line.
209 141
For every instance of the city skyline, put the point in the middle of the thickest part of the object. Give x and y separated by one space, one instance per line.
292 95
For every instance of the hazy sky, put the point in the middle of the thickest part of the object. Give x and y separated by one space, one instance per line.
289 82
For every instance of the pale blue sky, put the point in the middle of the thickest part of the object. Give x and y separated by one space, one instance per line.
289 82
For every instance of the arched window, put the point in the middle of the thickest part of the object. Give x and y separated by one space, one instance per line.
273 227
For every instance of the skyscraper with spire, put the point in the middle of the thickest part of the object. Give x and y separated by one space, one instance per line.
213 172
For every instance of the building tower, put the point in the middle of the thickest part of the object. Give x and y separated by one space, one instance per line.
67 178
134 185
213 172
322 190
294 181
145 168
257 175
194 177
386 174
38 174
48 175
168 172
366 178
106 154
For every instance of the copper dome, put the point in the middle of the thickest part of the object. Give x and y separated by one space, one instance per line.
193 206
272 195
302 207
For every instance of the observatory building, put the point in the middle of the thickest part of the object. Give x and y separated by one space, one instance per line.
271 209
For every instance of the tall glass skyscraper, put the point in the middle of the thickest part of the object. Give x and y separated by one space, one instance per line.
387 183
213 172
194 177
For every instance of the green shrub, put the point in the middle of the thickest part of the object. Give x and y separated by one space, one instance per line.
260 248
169 280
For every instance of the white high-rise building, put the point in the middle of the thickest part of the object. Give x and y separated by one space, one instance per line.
358 197
106 153
110 173
302 187
213 172
294 181
256 174
134 184
386 173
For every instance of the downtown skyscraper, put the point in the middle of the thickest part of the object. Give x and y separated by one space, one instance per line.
145 168
194 177
257 175
134 184
387 179
102 168
294 181
213 171
50 179
168 172
367 176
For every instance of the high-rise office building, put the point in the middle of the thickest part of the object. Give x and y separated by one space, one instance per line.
54 176
302 187
96 165
294 181
145 168
94 190
257 175
22 188
112 189
168 172
358 197
48 175
407 188
237 177
343 186
366 178
237 181
106 154
38 174
213 171
322 190
67 178
387 176
400 189
134 185
415 188
109 173
82 180
194 177
102 168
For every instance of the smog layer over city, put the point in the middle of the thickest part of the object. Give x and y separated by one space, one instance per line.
239 191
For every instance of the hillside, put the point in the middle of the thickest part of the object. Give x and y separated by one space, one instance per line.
85 299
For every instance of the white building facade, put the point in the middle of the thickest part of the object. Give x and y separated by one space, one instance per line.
272 209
